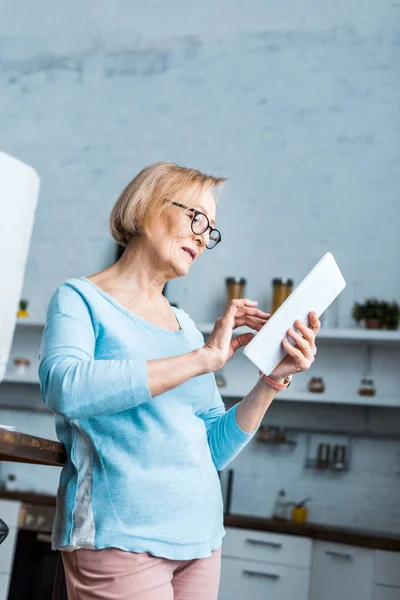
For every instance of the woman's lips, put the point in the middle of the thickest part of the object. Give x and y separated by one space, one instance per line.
187 251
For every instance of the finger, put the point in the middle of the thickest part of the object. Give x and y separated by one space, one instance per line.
301 362
231 310
301 343
254 312
314 322
241 340
290 349
244 302
307 333
253 322
259 313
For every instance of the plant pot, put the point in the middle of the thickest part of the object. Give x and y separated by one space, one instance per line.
373 323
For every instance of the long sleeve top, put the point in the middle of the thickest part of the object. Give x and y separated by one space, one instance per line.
141 472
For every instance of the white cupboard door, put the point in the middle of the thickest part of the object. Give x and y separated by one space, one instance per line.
266 546
386 593
242 579
341 572
4 580
387 568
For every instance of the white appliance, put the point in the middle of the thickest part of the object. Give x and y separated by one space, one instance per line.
19 190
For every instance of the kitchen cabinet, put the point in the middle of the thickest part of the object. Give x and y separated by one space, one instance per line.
387 568
258 564
341 571
386 575
242 578
386 593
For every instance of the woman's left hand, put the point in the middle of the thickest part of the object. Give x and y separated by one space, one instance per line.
301 356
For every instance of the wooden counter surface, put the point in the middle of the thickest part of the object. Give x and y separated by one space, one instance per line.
21 447
316 531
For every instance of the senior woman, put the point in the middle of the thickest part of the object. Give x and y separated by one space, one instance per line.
131 382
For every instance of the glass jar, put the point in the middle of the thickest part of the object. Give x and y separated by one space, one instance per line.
316 385
234 288
281 289
281 507
21 365
367 387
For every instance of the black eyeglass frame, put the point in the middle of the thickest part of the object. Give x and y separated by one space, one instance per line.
198 212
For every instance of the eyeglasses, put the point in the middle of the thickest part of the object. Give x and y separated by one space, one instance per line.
200 224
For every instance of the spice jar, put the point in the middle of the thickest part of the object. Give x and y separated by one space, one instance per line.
367 387
20 365
281 289
235 288
316 385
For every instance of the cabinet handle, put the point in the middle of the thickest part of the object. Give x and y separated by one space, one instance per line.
338 554
261 574
264 543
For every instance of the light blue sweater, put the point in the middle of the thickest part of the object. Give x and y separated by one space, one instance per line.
141 473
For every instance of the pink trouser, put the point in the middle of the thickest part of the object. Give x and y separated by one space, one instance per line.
113 574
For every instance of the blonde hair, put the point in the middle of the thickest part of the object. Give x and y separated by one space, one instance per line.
150 193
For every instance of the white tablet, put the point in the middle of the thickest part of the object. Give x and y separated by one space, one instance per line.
314 293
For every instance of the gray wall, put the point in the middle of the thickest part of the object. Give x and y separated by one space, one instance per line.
295 103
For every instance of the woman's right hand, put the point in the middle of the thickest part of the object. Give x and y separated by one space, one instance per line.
220 346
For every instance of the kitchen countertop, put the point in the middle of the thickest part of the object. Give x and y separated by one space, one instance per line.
328 533
21 447
316 531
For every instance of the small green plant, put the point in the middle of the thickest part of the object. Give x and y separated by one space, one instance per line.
386 313
391 315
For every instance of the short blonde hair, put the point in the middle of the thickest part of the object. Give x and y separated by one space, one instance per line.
150 193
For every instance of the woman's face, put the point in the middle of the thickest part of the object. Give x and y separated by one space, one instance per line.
174 233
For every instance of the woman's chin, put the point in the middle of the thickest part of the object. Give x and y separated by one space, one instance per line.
180 268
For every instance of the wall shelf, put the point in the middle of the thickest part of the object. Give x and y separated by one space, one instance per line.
340 334
344 399
29 323
29 379
325 398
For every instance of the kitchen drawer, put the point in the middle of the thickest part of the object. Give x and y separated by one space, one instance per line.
341 572
387 568
7 552
269 547
242 579
4 583
382 592
9 512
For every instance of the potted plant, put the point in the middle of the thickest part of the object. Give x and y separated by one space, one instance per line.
377 314
23 309
391 315
370 312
